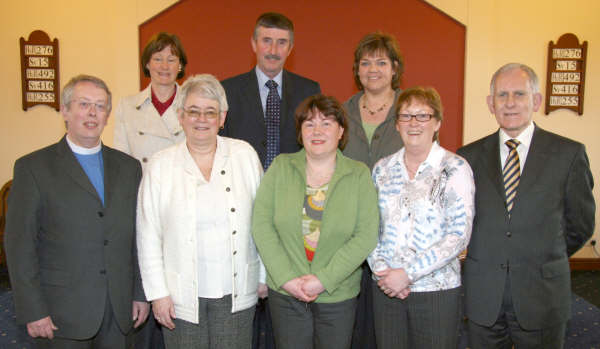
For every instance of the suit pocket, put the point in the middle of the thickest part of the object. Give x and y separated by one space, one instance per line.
50 277
555 268
471 266
252 271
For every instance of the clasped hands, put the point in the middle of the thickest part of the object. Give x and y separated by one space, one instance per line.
305 288
394 282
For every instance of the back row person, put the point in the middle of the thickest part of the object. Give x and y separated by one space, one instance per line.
372 135
147 122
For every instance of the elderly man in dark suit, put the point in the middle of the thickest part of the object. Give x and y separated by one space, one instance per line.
262 101
70 232
534 209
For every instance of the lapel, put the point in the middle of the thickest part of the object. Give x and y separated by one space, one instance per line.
537 157
287 92
68 162
491 161
148 121
251 96
111 173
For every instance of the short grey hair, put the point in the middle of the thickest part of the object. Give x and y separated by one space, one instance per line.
534 82
207 86
67 92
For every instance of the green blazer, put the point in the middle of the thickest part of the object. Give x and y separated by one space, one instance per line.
66 251
349 227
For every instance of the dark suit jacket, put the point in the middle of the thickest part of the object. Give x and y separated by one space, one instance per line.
246 119
552 217
66 251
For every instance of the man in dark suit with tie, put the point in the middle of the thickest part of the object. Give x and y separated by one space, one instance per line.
70 232
262 101
534 209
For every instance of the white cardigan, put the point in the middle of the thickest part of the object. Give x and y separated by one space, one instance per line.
140 131
166 218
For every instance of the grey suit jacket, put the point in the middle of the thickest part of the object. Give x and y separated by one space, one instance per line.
552 217
66 251
246 119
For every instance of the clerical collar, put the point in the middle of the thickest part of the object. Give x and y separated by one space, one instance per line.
82 150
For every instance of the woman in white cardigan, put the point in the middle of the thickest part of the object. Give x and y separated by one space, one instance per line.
198 262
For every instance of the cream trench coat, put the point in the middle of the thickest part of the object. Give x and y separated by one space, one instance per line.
140 131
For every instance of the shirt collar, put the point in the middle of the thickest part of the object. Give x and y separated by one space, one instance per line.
82 150
524 137
263 78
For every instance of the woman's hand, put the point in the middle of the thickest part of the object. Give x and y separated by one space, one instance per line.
294 287
394 282
263 291
311 285
164 311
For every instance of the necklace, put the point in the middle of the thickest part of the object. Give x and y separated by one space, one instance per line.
373 112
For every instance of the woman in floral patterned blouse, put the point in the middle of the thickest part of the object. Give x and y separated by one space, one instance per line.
426 202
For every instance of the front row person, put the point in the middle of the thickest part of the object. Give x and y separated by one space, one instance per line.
315 221
70 232
199 265
534 209
426 203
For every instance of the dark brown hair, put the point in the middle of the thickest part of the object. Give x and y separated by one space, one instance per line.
426 95
326 105
274 20
157 43
379 42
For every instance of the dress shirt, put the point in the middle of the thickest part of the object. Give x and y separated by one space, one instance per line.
264 90
522 149
426 221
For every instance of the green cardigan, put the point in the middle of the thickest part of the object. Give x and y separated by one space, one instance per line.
349 227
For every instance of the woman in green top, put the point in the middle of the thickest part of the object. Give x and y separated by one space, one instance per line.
315 221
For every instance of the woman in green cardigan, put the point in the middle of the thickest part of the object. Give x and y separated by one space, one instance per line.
315 221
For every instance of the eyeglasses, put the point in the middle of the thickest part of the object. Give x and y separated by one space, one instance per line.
86 105
195 114
418 117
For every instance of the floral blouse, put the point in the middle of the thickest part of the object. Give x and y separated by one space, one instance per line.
425 222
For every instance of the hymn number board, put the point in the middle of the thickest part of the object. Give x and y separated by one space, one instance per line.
565 82
39 71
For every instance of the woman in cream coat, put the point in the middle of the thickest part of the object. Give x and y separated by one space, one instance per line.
147 122
198 261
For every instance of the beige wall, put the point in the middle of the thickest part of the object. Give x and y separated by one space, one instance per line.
101 38
95 37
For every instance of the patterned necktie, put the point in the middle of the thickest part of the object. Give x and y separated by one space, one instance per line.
272 117
511 173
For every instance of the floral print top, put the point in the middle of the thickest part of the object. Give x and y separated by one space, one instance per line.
425 222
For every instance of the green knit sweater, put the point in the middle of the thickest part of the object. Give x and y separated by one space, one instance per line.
349 228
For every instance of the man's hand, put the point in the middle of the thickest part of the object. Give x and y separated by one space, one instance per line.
139 312
294 287
393 282
164 312
43 328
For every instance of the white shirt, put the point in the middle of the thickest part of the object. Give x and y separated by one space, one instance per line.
522 149
262 87
212 230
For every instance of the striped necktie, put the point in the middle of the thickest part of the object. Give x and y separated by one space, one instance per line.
511 173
